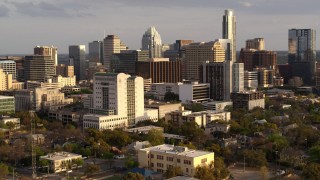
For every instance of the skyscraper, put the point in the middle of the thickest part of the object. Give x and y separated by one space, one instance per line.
39 68
111 45
47 51
151 40
302 53
96 52
256 43
229 30
77 55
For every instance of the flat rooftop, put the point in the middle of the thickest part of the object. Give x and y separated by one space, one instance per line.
60 156
6 97
177 150
143 129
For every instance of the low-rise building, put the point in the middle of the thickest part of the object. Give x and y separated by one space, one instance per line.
248 100
165 156
102 122
7 104
8 119
216 105
60 161
69 89
164 108
216 127
143 129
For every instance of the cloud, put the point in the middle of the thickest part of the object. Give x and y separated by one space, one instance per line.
44 8
4 11
246 3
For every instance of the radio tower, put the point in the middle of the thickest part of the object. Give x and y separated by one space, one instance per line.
33 151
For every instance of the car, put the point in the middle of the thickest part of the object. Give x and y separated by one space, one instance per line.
119 157
280 172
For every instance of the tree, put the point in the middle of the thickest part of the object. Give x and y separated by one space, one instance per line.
205 172
11 125
92 168
279 142
264 172
155 137
196 107
255 158
133 176
170 96
173 172
4 171
314 153
117 138
311 171
130 163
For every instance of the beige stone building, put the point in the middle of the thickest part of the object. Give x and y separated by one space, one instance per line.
5 81
160 158
61 161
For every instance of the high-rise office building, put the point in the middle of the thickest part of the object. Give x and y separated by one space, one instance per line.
197 53
229 29
39 68
256 43
5 80
47 51
151 41
9 67
125 61
302 53
250 80
65 70
77 55
111 45
19 60
159 70
95 52
238 77
227 45
253 58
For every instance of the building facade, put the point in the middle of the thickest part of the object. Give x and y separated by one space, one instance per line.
7 104
60 161
254 59
64 70
111 45
162 157
151 41
47 51
248 100
9 67
39 68
229 29
5 81
95 52
256 43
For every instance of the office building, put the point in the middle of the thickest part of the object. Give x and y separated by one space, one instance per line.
9 67
302 53
19 60
39 68
265 77
118 102
194 92
64 70
216 105
77 55
95 52
7 104
111 45
162 157
59 161
219 76
163 107
248 100
227 45
24 99
5 81
64 81
47 51
159 70
256 43
229 30
258 59
251 80
197 53
151 41
237 77
125 61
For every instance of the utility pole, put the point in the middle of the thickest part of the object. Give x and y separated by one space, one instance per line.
33 151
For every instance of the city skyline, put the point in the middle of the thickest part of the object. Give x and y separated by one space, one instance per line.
80 22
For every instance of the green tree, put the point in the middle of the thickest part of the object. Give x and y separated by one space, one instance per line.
255 158
196 107
155 137
264 172
43 162
205 172
311 171
92 168
117 138
4 171
314 153
133 176
11 125
170 96
279 142
130 163
173 172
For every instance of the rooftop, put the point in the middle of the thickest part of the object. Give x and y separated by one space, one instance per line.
143 128
178 150
60 156
6 97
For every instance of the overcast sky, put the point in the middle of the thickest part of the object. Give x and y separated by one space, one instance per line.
27 23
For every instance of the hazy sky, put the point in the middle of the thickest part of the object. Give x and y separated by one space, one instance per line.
27 23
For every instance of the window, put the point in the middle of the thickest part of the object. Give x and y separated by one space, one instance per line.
170 159
178 160
152 165
204 160
187 170
159 165
159 157
152 156
186 162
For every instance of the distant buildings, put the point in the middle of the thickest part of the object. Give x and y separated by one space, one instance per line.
111 45
95 52
47 51
64 70
39 68
77 55
5 81
229 30
151 41
7 104
256 43
165 156
252 58
9 67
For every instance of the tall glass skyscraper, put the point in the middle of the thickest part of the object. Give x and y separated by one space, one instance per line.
302 53
77 56
151 40
229 30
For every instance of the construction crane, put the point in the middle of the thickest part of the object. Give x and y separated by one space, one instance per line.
33 151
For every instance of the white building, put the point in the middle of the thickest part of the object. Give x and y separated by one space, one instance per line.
64 81
216 105
117 98
229 30
251 80
238 75
5 81
7 119
151 40
59 161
